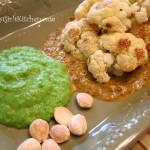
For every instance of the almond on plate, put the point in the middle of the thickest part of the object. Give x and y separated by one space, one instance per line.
77 125
84 100
59 133
39 130
50 145
62 115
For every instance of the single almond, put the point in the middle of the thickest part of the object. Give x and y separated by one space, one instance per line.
62 115
50 145
30 144
39 130
84 100
77 125
59 133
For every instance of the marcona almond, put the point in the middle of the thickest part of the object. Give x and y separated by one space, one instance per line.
30 144
50 145
59 133
84 100
77 125
62 115
39 130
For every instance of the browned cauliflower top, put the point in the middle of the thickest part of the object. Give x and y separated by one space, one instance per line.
83 8
80 39
111 15
120 52
130 52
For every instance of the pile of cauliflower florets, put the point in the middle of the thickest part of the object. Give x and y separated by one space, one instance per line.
98 36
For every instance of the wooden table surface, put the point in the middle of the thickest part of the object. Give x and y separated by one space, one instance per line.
143 143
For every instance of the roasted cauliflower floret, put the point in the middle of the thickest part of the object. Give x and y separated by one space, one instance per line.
141 10
70 34
111 15
83 8
146 4
98 64
129 51
142 31
80 39
88 43
141 16
135 7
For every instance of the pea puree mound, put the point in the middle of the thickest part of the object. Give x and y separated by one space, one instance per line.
31 86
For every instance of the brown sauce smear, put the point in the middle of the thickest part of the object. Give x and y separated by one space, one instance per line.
118 88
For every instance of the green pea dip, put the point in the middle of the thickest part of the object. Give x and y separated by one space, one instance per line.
31 86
